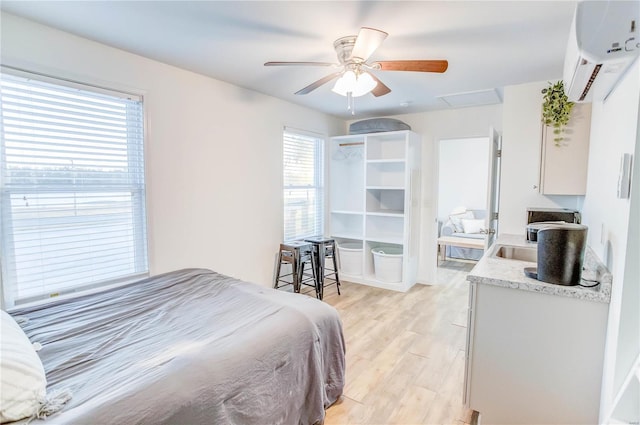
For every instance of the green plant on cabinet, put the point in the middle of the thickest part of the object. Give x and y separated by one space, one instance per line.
556 109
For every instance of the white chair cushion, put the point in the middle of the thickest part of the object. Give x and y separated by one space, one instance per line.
23 383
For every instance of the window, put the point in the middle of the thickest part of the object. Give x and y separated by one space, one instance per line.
303 156
72 187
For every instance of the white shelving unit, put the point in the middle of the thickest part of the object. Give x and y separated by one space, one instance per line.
374 184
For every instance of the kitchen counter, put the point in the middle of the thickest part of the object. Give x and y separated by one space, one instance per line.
509 273
530 344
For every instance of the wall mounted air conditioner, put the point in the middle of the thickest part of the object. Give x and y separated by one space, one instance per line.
603 42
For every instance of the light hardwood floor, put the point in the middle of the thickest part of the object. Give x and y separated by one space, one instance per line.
405 352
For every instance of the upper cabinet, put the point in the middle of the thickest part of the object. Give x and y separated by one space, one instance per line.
563 165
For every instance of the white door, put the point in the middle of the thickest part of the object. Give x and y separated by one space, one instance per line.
493 187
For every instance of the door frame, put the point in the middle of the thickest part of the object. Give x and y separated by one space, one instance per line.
436 187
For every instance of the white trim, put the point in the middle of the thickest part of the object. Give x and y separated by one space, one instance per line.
19 72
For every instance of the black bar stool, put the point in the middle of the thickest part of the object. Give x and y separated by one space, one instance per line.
297 254
323 248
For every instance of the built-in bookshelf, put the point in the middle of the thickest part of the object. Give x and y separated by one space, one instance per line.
374 185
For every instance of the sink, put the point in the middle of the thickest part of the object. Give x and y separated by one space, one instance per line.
517 253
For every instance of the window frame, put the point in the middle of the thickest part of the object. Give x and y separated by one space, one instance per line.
318 186
135 185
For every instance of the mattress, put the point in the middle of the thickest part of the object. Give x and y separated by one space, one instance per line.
377 125
191 346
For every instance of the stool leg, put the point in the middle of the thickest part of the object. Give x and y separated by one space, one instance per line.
277 279
301 272
335 268
294 271
321 259
310 255
314 266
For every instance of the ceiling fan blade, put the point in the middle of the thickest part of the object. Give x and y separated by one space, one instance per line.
311 87
412 65
368 40
380 89
299 64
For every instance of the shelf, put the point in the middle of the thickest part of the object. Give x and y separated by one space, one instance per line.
390 213
347 212
385 187
347 225
386 174
385 201
386 146
388 228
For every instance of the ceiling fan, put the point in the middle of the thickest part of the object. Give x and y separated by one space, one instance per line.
354 78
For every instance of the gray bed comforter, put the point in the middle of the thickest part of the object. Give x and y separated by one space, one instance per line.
190 347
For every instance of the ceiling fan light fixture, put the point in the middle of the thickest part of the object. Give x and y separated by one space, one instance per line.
356 85
364 84
345 83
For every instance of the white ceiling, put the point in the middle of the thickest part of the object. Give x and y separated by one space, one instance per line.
488 44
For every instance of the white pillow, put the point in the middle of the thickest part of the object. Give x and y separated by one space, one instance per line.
23 383
456 220
472 225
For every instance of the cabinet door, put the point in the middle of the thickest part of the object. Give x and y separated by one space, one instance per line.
564 163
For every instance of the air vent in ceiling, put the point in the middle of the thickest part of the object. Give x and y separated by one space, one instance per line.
473 98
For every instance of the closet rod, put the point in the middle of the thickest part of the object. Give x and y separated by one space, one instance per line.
352 144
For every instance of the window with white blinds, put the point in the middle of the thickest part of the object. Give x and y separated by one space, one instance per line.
72 187
303 158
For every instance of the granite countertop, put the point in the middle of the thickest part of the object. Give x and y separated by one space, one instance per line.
509 273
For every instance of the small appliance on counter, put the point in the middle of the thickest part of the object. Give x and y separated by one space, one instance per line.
561 248
538 217
532 229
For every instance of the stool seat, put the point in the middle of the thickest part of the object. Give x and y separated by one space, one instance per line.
295 244
320 240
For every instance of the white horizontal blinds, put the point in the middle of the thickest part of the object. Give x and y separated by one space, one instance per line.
303 157
72 185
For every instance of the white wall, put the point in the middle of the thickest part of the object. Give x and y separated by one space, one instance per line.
432 127
213 150
520 168
463 168
623 345
614 132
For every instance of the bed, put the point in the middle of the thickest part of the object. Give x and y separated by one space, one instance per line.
190 347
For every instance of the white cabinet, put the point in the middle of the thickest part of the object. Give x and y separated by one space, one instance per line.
563 164
374 188
534 358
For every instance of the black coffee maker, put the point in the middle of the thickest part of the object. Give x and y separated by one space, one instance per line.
561 250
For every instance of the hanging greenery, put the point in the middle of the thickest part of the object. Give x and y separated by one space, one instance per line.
556 109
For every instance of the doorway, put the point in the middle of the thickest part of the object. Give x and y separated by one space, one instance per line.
463 170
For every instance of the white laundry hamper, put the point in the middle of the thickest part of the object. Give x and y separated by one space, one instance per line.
387 263
350 254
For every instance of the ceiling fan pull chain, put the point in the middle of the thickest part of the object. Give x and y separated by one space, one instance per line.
350 103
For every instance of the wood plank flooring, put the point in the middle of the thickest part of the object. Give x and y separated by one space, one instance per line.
405 352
